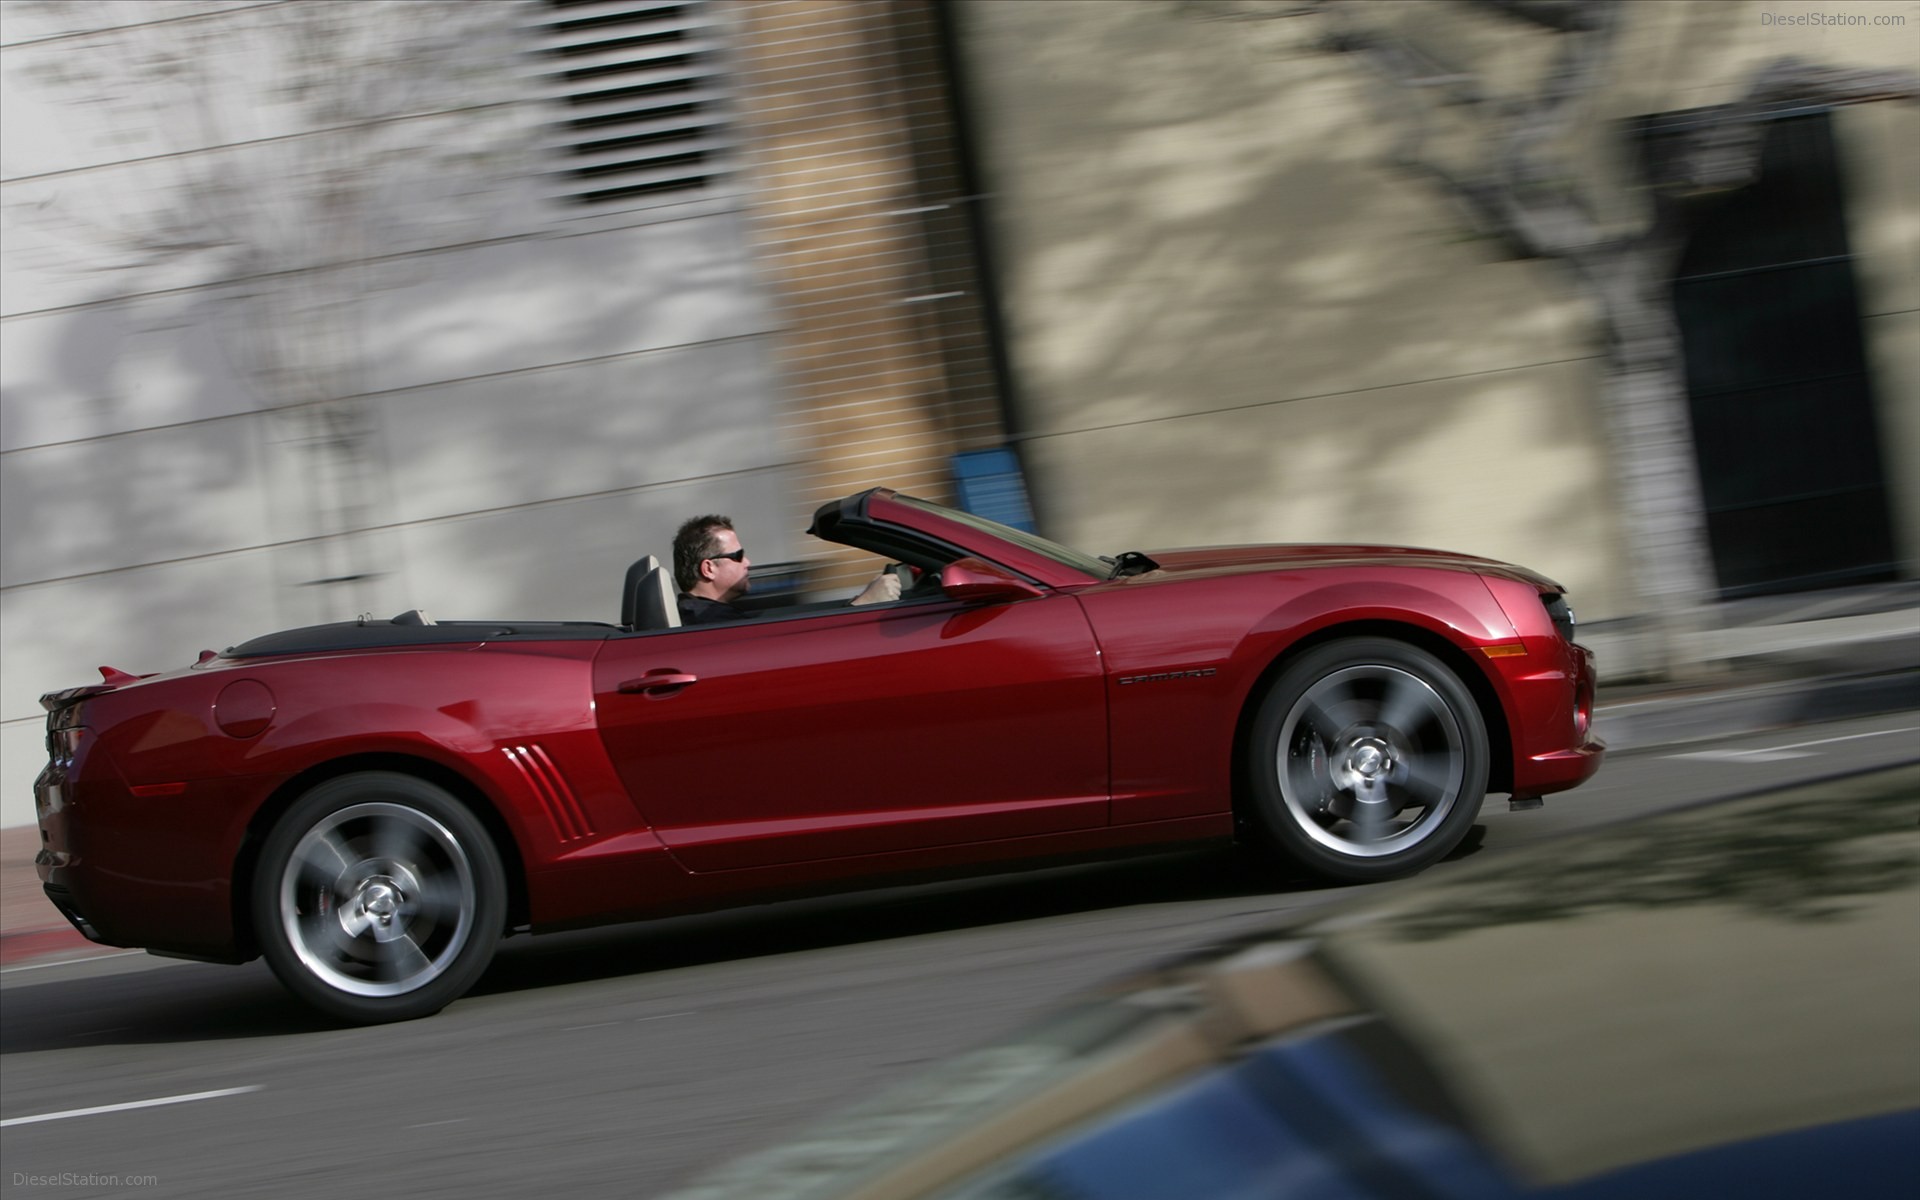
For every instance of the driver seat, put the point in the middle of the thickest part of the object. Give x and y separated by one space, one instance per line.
636 580
659 602
648 599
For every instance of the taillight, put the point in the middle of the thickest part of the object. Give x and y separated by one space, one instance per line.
64 744
65 731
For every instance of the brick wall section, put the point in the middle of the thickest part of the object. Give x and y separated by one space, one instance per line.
948 201
827 116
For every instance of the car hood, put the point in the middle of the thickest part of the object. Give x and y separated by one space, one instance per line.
1219 559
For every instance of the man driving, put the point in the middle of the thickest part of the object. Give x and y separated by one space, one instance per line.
711 569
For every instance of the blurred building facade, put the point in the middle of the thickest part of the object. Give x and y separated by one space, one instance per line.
701 284
747 257
1239 311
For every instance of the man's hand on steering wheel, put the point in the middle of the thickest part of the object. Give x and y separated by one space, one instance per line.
884 589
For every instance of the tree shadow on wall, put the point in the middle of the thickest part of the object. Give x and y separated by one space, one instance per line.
1218 278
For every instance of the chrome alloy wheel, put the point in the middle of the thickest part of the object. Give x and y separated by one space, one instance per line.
1370 760
377 899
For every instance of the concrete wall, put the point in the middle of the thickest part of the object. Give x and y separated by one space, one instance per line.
1233 320
545 399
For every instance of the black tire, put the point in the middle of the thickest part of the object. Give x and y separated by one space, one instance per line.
379 897
1368 760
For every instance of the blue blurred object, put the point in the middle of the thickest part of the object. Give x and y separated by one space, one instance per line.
1309 1117
991 484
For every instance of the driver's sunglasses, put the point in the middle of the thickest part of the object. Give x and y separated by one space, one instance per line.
737 555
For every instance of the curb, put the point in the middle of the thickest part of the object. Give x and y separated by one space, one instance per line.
49 944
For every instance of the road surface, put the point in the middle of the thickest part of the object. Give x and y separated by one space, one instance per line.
621 1062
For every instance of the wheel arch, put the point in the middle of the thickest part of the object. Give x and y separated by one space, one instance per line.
1457 660
461 788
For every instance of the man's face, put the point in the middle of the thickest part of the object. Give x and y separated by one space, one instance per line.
729 578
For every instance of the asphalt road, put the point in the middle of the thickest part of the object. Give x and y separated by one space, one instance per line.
620 1062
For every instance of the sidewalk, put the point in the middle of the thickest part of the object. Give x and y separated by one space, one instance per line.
1773 662
1778 661
30 929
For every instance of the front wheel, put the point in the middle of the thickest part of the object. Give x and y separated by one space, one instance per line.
1368 760
379 898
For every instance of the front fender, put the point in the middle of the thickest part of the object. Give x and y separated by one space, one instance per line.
1454 606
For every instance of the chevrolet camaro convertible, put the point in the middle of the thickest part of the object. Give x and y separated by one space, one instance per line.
373 804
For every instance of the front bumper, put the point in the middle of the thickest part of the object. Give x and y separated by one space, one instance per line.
1558 749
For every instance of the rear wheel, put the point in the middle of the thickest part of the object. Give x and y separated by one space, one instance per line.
1368 760
379 898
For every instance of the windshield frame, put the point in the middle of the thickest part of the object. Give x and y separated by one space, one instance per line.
1093 567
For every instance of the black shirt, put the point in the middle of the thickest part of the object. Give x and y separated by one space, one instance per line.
698 610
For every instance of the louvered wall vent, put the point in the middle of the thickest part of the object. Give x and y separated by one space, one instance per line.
637 100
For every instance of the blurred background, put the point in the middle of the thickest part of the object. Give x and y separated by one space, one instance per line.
312 308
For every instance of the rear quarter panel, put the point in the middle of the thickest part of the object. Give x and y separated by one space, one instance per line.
516 724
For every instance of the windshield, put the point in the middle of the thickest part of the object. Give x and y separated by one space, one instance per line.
1066 556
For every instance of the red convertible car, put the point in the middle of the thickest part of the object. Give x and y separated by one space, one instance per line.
373 804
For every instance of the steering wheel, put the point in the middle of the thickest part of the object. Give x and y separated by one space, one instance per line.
909 578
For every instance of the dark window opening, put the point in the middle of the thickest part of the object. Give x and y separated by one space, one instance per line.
1779 392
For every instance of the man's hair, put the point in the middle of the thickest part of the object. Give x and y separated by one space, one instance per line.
696 542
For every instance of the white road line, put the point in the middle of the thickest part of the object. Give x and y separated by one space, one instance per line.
109 1108
628 1021
66 962
1766 754
1851 737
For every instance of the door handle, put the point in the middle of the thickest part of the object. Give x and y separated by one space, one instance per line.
659 683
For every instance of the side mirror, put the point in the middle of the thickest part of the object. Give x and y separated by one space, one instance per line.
977 581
